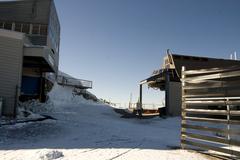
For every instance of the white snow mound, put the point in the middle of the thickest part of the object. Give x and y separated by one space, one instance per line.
65 94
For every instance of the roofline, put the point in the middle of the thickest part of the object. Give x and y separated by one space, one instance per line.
173 54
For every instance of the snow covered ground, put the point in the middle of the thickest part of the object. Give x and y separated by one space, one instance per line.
88 131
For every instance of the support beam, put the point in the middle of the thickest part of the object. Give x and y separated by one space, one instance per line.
140 96
167 98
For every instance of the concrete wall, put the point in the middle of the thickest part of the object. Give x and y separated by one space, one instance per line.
174 98
11 57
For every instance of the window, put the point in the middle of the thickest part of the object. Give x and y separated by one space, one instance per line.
35 29
44 30
25 28
1 24
8 26
18 27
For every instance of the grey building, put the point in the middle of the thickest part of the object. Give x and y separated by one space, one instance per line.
168 78
29 49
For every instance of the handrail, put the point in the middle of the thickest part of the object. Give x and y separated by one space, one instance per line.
146 106
74 82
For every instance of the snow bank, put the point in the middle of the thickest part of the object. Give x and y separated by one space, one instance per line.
65 94
35 106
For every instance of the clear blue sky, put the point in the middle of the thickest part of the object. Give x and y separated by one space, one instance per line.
117 43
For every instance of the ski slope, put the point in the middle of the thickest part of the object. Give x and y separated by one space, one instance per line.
89 131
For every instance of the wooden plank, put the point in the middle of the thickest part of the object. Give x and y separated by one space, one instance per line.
212 139
212 98
207 138
235 113
210 71
209 147
212 95
212 85
210 129
213 76
206 111
212 120
216 102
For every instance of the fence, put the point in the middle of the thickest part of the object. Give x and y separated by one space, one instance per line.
211 111
146 106
74 82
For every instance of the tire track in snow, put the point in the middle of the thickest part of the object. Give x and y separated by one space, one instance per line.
123 153
89 150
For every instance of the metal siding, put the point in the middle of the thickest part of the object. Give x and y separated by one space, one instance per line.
11 55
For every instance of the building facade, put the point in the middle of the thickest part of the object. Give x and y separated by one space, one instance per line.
29 49
168 78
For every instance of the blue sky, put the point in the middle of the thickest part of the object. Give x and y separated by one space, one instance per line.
117 43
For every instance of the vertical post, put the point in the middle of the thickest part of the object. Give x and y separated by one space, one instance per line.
183 130
1 105
167 88
140 96
16 99
130 101
228 123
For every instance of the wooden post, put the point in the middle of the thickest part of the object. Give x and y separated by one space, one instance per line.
183 146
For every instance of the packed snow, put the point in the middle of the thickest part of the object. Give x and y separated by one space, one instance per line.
86 130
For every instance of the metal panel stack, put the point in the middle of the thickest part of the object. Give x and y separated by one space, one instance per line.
211 111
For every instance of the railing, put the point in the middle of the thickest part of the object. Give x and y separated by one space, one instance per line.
211 111
50 77
149 106
80 83
33 29
156 72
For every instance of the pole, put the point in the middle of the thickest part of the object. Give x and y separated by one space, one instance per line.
167 88
140 96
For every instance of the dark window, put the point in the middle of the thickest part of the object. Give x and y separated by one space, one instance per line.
204 59
25 28
18 27
8 26
35 29
176 57
44 30
186 57
196 59
1 24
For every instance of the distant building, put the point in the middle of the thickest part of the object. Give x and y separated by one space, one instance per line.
29 49
168 77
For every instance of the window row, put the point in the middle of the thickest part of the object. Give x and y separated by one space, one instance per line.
37 29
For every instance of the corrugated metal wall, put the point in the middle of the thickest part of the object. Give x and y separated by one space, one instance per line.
11 56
